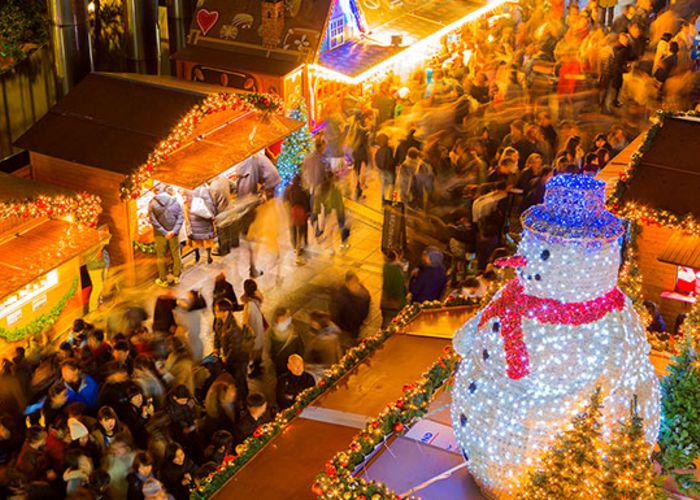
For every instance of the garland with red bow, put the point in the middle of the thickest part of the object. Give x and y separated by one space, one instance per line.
338 481
84 208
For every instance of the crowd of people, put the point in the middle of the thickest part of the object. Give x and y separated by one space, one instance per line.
151 408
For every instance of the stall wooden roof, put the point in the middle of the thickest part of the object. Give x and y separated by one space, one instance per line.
668 176
26 256
682 250
200 161
13 188
113 122
413 20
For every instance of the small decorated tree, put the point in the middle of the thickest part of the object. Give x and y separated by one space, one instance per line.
296 145
571 468
629 472
679 437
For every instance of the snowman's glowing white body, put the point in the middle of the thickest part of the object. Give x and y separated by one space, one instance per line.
504 424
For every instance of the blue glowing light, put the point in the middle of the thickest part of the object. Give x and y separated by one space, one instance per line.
574 208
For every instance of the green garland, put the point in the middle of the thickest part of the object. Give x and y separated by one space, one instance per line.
648 215
23 27
41 323
338 481
147 248
266 432
679 436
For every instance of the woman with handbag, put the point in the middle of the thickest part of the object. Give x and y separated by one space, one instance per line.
200 213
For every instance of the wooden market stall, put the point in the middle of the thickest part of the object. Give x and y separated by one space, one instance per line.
118 134
47 244
662 195
315 49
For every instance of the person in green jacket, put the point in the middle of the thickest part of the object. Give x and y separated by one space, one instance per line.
393 288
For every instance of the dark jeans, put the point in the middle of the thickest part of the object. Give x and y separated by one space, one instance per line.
606 15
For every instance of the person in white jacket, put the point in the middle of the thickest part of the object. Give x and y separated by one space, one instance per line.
253 318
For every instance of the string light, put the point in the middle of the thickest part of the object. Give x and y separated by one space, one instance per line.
132 186
577 332
82 208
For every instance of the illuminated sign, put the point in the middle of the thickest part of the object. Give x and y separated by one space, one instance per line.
13 304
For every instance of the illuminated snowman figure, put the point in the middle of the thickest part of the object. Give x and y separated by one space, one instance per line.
533 356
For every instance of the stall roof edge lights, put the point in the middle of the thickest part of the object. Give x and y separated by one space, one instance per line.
414 48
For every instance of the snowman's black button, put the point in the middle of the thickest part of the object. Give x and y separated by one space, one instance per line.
538 277
529 276
545 254
485 354
496 326
463 420
472 387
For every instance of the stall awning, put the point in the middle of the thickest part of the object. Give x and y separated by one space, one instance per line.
31 254
223 146
682 250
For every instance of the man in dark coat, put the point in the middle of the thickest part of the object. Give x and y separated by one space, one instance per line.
613 70
231 345
167 218
224 290
256 414
350 306
293 382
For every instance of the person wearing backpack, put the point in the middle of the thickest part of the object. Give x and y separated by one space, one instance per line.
167 217
200 211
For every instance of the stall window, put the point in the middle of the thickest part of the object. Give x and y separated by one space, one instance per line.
336 32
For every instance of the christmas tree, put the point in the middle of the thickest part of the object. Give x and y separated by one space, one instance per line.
629 472
679 437
296 145
571 468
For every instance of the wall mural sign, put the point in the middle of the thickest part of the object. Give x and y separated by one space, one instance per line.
206 20
280 28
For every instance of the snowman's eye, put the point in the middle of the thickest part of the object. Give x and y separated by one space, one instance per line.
544 255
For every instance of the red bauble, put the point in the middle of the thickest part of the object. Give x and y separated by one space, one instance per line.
398 427
400 403
317 490
257 432
331 470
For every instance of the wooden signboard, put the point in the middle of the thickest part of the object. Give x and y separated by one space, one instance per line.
394 227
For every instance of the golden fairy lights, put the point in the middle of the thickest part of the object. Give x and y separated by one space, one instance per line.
82 208
582 464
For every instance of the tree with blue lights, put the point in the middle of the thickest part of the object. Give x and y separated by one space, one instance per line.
296 145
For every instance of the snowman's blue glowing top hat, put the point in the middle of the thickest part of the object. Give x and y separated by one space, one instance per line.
573 208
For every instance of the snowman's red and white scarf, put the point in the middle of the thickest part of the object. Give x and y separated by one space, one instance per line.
513 304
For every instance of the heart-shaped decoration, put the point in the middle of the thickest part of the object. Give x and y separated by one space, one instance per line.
206 20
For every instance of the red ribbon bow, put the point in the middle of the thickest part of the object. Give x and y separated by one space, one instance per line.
513 304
